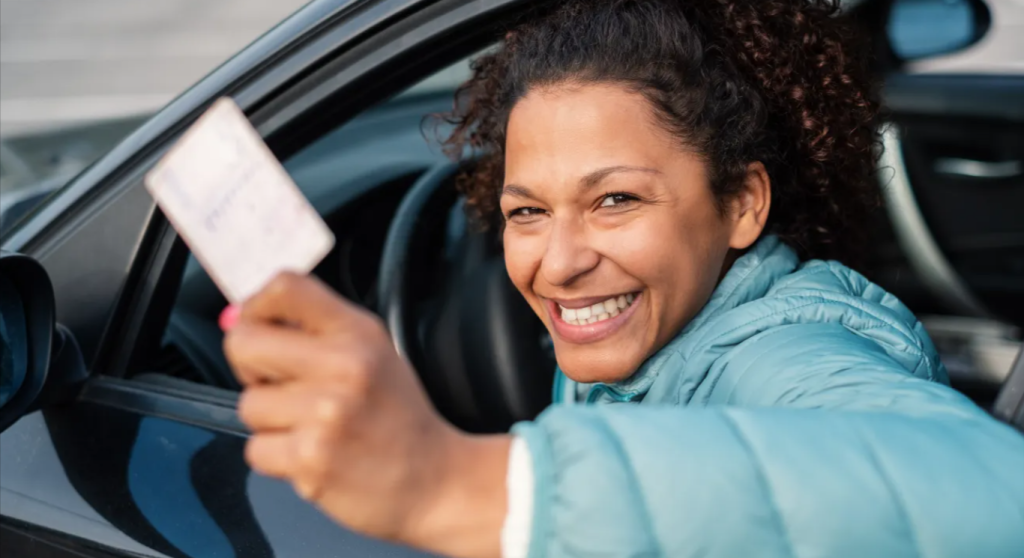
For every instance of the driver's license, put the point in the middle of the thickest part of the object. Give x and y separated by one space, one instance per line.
235 206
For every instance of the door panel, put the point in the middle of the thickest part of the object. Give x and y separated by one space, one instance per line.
104 477
962 142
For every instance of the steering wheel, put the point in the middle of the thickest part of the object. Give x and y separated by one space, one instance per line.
453 312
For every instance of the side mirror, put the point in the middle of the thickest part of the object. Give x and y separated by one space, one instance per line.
26 334
39 360
923 28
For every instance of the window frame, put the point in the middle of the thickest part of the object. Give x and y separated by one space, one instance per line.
346 83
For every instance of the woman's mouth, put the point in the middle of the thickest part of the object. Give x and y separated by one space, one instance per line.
599 312
592 322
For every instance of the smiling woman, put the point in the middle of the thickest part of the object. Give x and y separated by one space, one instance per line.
675 182
599 156
594 187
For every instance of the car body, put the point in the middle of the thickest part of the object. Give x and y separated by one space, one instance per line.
146 459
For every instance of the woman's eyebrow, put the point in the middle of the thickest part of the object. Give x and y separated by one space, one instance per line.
595 178
517 191
587 182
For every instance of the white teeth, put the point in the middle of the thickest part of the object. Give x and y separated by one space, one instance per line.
597 312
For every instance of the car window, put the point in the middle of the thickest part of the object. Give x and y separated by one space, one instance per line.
355 176
15 171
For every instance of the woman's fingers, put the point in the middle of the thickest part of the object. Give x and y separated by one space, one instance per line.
272 453
300 453
297 327
334 409
261 353
303 457
301 301
282 407
266 354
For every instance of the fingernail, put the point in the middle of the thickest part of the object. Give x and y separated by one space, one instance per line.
229 317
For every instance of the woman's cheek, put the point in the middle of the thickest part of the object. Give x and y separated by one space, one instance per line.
640 247
666 256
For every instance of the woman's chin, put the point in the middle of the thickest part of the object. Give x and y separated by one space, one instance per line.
591 365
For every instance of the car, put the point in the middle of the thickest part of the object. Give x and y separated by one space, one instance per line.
121 436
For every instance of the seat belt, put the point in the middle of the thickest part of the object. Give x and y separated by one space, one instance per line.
1009 405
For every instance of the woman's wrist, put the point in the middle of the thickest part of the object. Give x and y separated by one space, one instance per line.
464 507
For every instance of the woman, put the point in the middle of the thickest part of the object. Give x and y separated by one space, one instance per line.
671 177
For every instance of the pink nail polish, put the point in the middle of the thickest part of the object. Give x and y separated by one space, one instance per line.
229 317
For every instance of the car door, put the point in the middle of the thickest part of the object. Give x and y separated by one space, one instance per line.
147 467
952 171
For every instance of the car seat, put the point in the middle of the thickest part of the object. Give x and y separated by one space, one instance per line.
1009 405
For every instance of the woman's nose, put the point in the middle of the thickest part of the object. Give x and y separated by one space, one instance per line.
568 254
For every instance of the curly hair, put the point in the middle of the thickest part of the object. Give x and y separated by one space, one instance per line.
783 82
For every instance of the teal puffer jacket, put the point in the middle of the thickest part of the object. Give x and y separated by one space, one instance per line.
804 412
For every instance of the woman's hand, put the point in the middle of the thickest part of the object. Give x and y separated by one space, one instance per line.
338 413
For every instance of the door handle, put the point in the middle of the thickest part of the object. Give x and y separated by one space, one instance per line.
972 168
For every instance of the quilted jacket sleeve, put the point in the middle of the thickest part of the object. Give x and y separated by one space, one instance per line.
810 446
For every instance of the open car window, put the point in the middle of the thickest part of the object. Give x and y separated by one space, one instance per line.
355 176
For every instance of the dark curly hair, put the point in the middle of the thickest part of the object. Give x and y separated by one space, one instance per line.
783 82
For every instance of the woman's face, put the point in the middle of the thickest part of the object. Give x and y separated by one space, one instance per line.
612 233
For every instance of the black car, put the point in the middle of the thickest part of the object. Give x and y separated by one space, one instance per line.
121 434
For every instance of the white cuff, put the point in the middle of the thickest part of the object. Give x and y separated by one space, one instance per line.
515 533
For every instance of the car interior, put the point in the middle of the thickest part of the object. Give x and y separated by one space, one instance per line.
404 249
950 244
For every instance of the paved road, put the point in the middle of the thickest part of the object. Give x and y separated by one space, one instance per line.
63 61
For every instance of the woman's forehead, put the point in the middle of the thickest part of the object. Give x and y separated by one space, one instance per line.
583 109
579 133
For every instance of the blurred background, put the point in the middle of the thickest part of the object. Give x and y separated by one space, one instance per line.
77 75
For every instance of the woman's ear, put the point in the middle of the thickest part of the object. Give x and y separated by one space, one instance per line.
750 207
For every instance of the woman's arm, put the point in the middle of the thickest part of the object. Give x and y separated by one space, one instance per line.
836 451
336 412
894 466
468 510
621 481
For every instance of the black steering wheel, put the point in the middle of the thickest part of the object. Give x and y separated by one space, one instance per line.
453 312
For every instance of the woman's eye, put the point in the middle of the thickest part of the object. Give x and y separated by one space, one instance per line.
613 200
525 212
